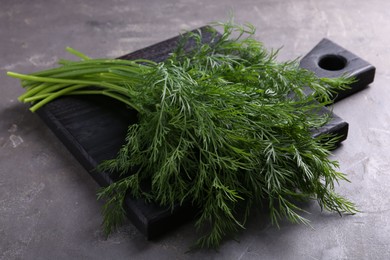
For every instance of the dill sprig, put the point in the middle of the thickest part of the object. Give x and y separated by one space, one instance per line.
223 126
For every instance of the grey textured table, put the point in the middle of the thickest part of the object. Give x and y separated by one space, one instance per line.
48 207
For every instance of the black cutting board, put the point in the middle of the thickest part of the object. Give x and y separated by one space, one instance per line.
93 128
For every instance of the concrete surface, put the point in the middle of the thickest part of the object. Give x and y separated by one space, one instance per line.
48 207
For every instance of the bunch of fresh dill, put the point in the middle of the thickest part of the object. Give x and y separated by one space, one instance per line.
223 126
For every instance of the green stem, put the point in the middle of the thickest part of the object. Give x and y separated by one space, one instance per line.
32 91
54 96
77 53
52 88
94 64
74 73
69 81
109 94
119 98
87 92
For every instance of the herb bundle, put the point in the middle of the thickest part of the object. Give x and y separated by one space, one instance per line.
223 126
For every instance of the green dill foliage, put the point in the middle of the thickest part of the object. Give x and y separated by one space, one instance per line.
223 126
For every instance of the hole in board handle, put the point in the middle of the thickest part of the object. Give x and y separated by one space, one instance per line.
332 62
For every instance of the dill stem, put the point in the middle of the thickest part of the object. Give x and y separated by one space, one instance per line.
116 96
53 96
32 91
77 53
70 81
